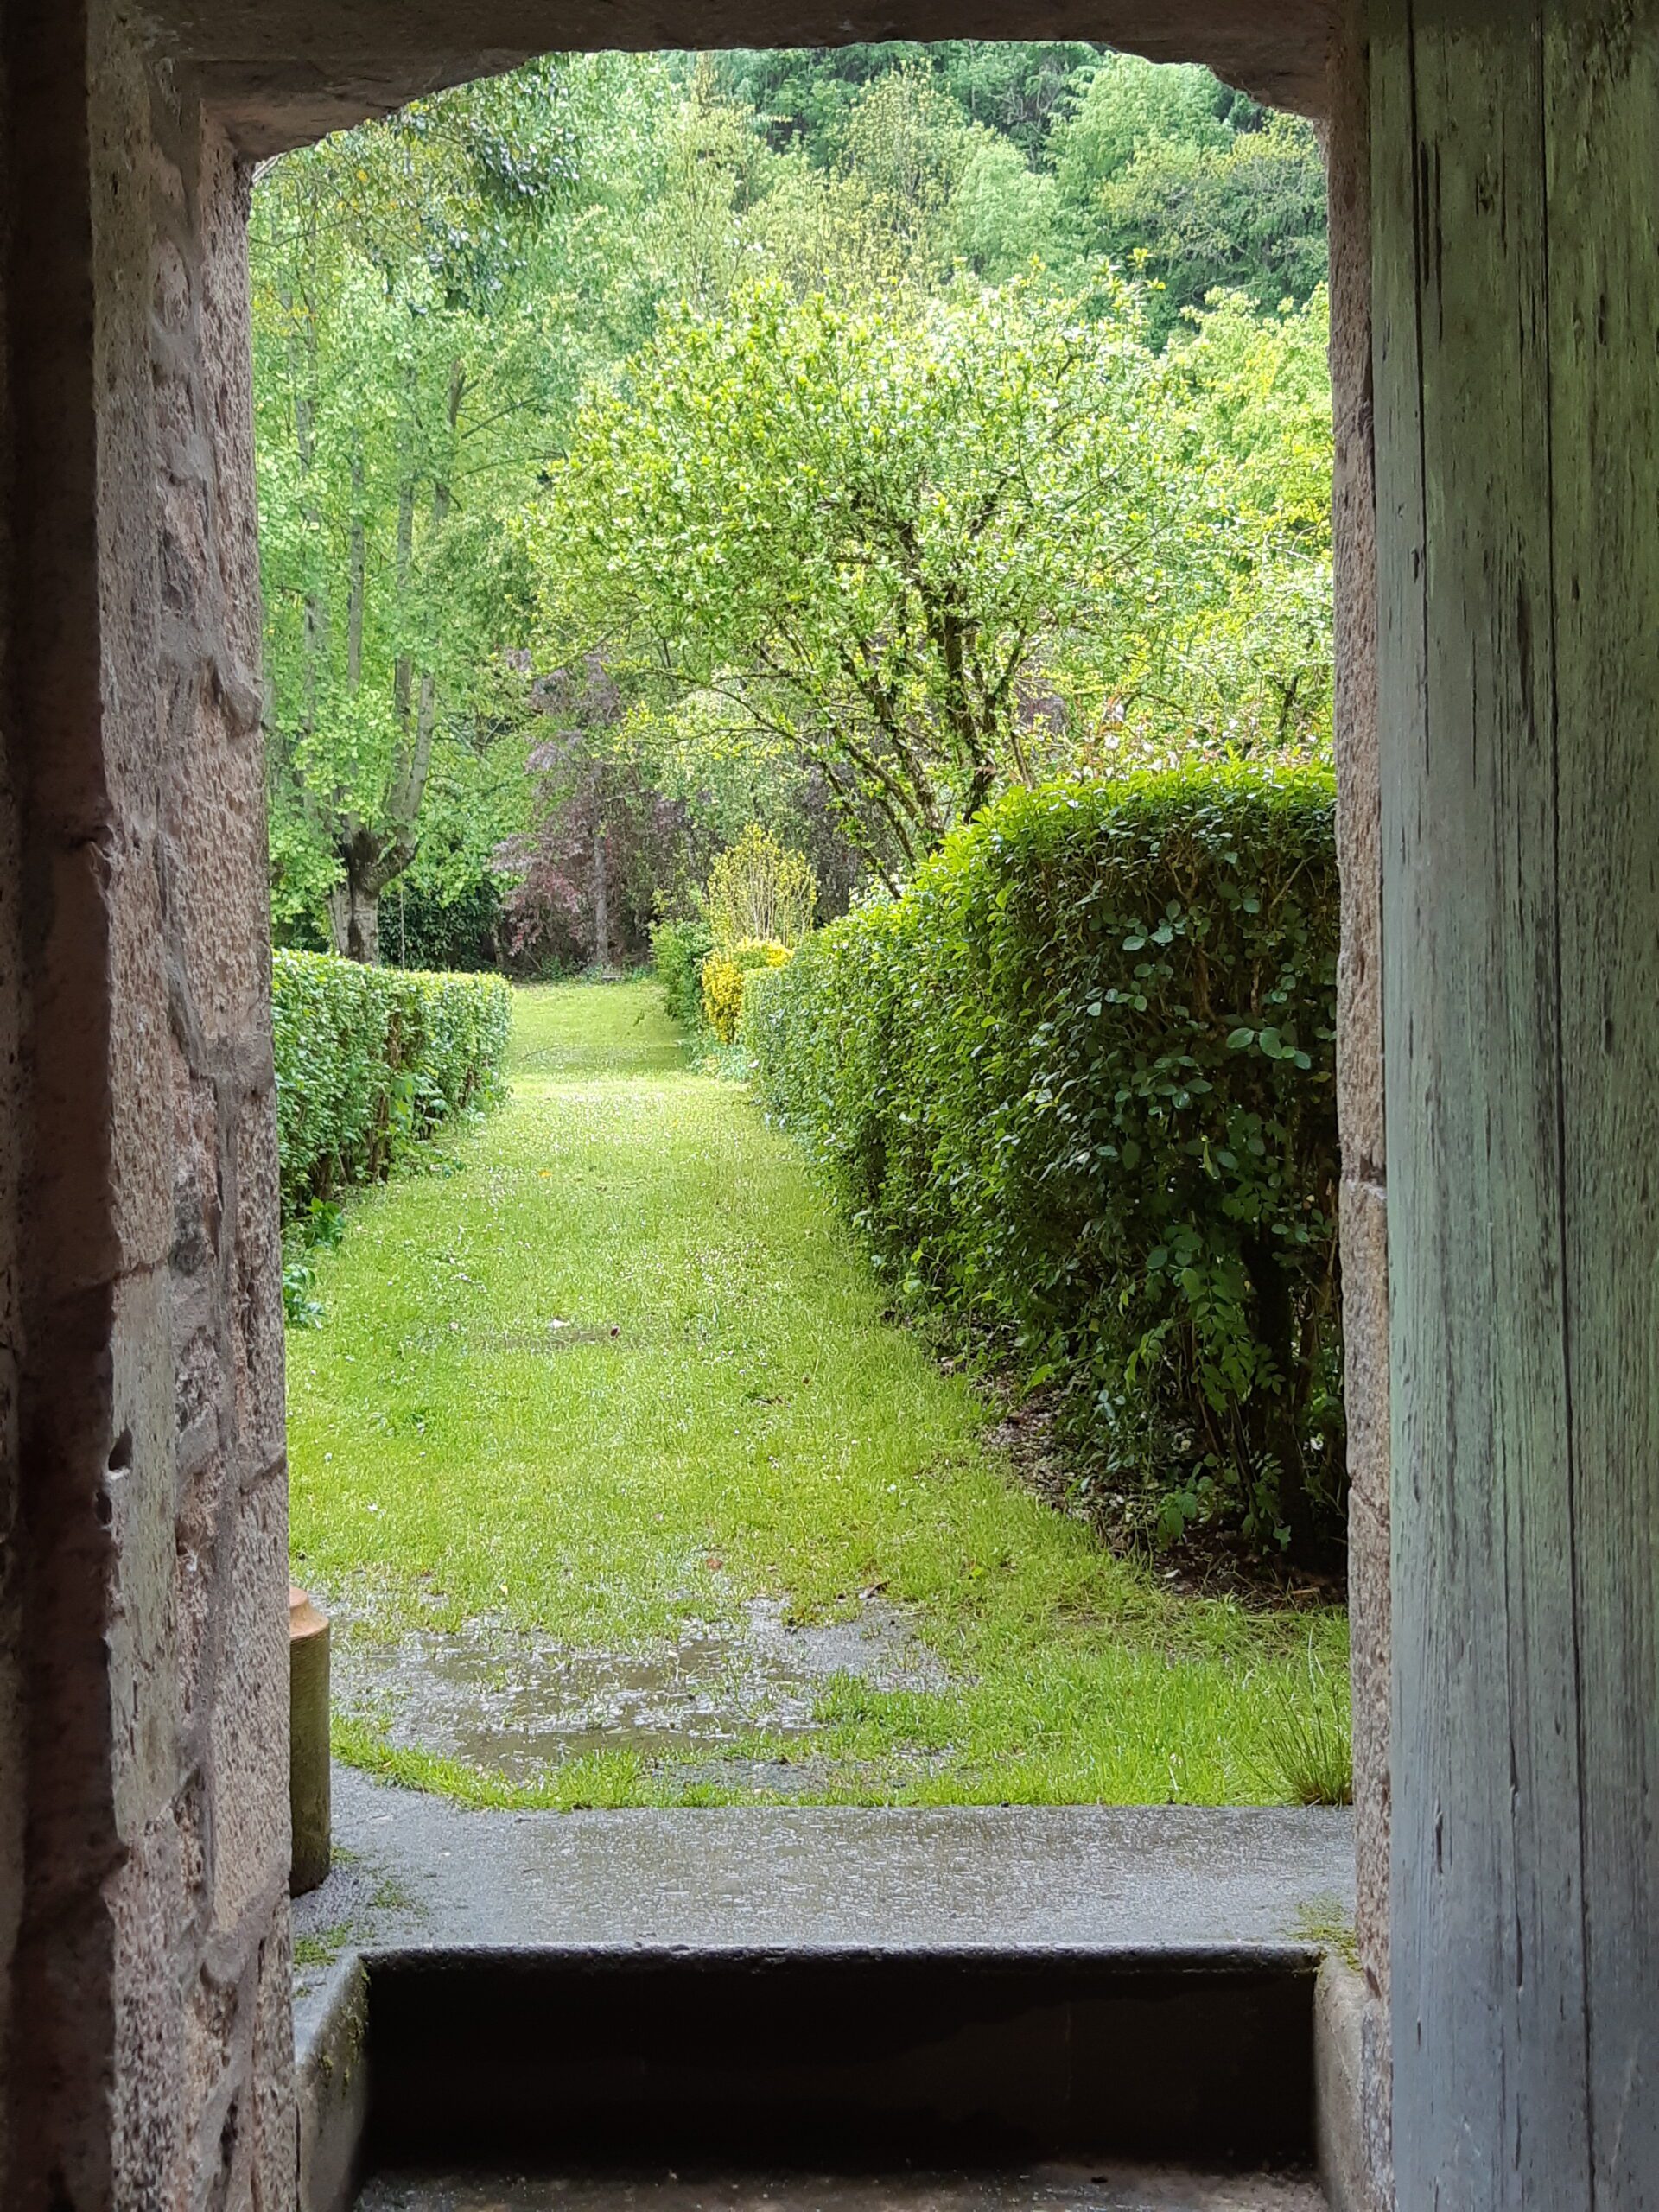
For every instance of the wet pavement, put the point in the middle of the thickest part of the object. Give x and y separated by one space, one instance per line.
517 1705
423 1886
414 1872
1043 2189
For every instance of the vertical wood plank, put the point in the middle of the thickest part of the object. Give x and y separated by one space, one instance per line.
1602 109
1488 1971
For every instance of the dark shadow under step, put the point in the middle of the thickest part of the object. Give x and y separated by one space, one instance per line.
848 2060
1079 2188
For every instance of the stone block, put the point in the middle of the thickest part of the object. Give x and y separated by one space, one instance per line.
139 1050
209 2041
222 203
216 830
1376 2094
1365 1308
170 287
196 1196
206 1498
134 1498
1339 2096
1359 975
148 2132
247 1769
102 1179
1372 1730
275 2131
257 1318
1364 1231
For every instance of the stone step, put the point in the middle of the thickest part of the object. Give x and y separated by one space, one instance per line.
946 1998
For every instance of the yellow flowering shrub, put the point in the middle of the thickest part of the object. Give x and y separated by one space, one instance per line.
724 973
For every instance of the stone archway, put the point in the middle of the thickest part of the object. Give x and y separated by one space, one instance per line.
144 1870
1509 839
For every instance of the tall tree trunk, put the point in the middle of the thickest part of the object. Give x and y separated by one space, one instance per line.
402 673
354 903
414 755
426 714
358 584
601 904
303 376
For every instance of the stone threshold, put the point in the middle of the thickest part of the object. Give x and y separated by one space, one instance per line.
883 1985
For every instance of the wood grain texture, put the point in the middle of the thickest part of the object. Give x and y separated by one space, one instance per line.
1602 103
1519 522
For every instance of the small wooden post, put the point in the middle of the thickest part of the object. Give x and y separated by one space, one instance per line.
308 1769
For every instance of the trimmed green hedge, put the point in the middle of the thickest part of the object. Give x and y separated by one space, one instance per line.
1079 1085
677 952
370 1059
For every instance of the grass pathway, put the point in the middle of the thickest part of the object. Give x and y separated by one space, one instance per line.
616 1387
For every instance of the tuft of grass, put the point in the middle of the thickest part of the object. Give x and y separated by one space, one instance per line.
1327 1925
1305 1735
596 1780
624 1371
323 1946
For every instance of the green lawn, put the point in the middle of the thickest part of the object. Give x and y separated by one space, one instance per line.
724 1416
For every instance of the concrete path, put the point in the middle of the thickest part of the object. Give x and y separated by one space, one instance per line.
1247 1888
416 1871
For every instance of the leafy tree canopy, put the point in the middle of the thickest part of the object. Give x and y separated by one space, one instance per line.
928 556
838 329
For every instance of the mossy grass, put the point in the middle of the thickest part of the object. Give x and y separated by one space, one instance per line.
624 1371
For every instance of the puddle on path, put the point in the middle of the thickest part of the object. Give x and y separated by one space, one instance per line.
495 1698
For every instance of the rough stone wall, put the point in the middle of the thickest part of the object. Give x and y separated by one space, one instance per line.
140 1339
152 1965
281 72
12 1106
1359 1052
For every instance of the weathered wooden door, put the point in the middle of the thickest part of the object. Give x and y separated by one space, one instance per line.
1515 149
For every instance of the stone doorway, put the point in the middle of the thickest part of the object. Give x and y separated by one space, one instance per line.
1491 165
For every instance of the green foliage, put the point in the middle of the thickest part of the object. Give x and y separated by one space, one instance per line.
422 928
403 376
757 889
1248 215
932 556
804 95
369 1060
437 295
727 975
1307 1741
677 952
1124 105
1002 212
1065 152
1080 1086
563 1399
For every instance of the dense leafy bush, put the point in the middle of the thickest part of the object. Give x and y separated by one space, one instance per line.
370 1059
462 933
1079 1085
725 974
677 952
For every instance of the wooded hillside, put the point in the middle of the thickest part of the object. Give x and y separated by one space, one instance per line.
491 732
